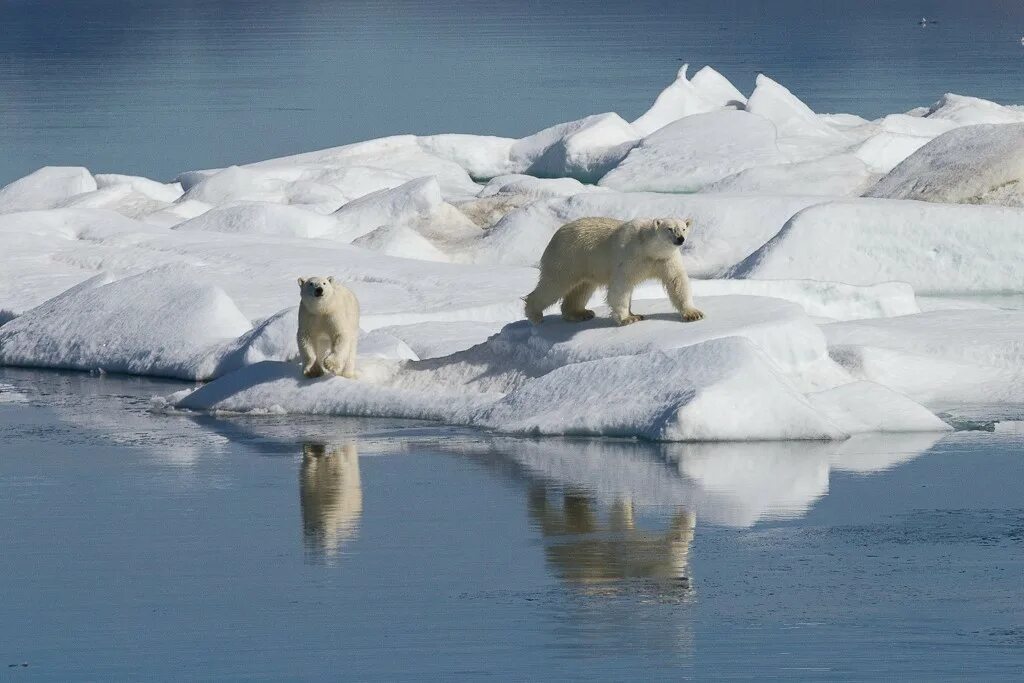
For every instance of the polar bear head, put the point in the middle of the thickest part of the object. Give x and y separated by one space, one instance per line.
316 291
662 236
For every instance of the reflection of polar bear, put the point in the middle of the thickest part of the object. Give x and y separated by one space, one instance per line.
592 252
328 327
586 551
331 495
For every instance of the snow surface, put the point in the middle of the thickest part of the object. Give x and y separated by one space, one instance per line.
981 164
813 328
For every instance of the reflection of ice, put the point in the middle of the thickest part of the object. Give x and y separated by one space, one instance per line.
733 484
331 496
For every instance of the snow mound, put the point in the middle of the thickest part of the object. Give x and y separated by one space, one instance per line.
123 199
683 98
401 242
966 111
263 218
416 203
688 154
585 149
717 89
45 188
938 248
833 300
884 151
437 339
720 390
792 118
161 192
939 358
535 188
483 156
980 164
162 323
863 407
176 213
833 176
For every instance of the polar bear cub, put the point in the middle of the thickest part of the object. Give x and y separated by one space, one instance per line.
328 327
592 252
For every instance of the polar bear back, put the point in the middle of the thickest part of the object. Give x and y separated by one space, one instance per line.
586 244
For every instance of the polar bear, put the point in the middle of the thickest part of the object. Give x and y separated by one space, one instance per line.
328 327
591 252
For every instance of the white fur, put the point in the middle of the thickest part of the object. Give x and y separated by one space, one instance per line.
328 328
593 252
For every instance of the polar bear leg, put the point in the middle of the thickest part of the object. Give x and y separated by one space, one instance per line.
307 351
574 305
549 290
620 290
677 284
349 369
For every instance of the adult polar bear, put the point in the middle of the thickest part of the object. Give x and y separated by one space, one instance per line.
592 252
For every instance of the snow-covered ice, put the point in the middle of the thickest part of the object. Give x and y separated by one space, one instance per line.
814 327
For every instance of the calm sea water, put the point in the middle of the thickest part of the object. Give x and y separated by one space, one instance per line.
155 87
140 546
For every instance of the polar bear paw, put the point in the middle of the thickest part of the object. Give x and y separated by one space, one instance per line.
629 319
692 314
312 371
578 316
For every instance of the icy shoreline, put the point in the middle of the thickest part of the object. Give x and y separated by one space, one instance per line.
813 234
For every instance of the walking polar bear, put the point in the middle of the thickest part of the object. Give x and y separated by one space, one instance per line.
592 252
328 327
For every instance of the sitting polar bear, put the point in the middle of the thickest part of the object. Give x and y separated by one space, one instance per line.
328 327
591 252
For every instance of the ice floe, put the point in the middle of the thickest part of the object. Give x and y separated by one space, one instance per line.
815 328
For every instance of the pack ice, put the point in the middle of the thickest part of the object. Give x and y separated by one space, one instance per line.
814 237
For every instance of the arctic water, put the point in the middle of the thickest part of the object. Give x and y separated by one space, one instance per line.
140 545
155 88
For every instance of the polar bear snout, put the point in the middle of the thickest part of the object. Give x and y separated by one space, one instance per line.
679 239
318 291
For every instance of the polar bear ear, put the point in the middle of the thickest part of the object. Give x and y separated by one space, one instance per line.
302 281
658 223
331 279
688 221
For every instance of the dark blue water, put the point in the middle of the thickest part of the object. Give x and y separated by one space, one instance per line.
141 546
155 87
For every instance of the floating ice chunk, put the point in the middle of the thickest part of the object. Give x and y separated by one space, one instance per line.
681 98
483 156
884 151
937 248
833 176
263 218
717 89
45 188
401 242
695 151
162 192
585 149
966 111
161 323
720 390
981 164
726 229
861 407
792 118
